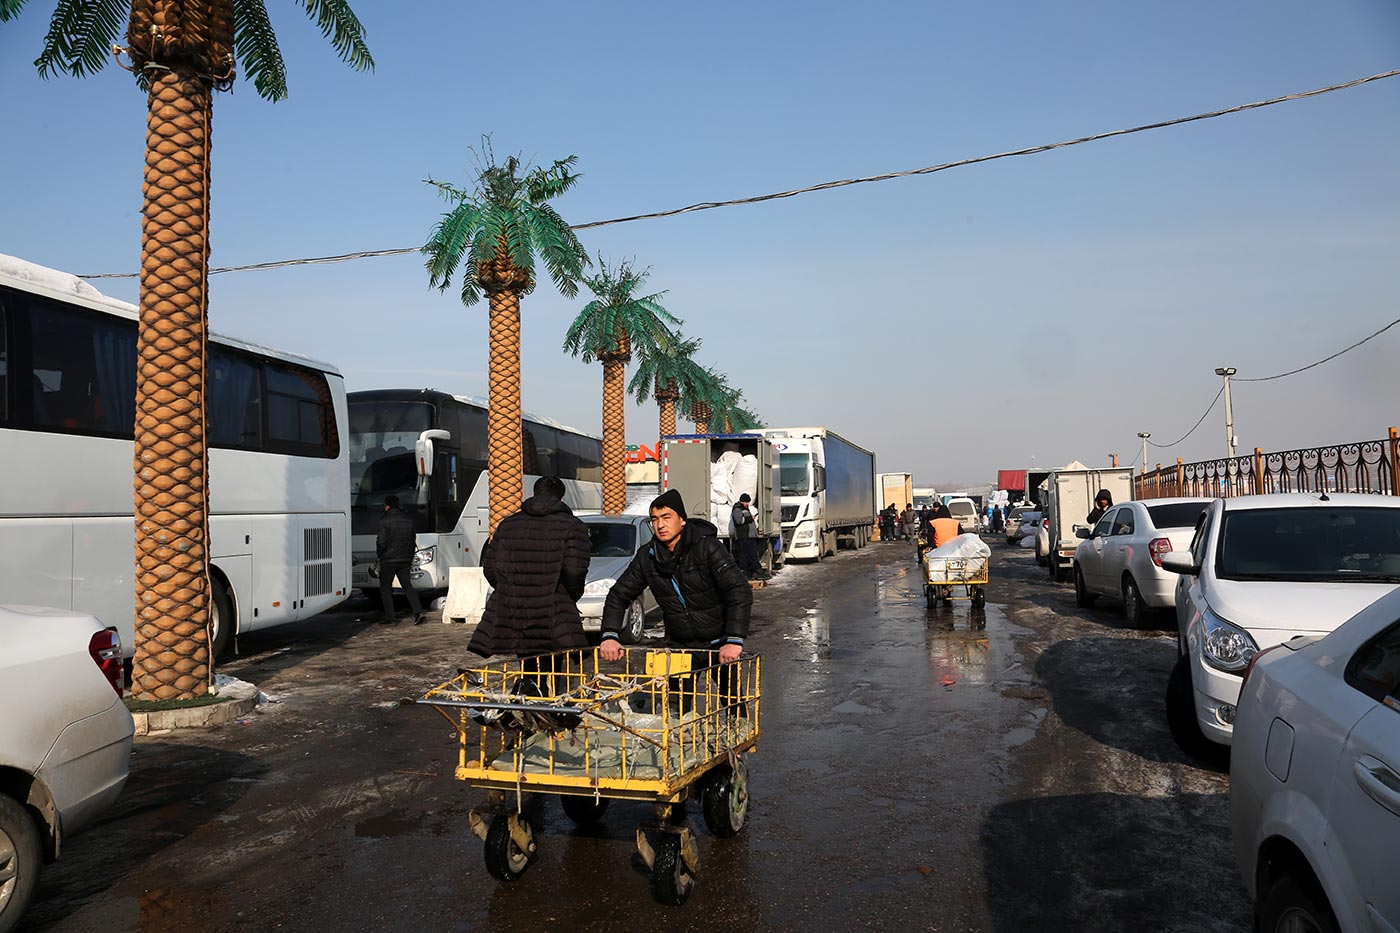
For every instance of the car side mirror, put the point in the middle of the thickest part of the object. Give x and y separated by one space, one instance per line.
1083 533
1180 562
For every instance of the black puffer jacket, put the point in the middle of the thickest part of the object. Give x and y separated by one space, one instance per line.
537 562
703 594
395 542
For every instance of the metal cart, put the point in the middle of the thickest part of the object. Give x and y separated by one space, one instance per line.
945 576
657 726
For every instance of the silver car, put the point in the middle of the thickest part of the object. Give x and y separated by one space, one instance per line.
613 541
1122 555
1018 515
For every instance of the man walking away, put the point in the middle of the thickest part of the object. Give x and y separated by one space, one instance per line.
394 546
537 564
746 536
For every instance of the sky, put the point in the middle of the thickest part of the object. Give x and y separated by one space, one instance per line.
1030 310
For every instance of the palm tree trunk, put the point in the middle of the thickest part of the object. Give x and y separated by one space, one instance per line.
668 416
503 424
614 438
171 505
702 427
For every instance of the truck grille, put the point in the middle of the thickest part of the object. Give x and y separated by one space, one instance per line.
790 513
316 561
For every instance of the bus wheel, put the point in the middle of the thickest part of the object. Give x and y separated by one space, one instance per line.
221 618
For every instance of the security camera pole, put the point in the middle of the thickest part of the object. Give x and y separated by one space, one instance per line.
1144 435
1230 439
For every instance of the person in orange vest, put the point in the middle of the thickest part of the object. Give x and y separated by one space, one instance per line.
944 527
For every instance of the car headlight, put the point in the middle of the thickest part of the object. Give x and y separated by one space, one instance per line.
1225 646
424 556
599 587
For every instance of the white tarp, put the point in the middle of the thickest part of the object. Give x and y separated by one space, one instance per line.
969 548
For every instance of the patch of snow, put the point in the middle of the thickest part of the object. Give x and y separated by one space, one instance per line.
43 277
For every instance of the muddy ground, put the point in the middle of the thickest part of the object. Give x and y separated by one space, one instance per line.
1003 769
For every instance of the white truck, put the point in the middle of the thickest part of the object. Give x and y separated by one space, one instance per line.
828 491
699 467
1069 498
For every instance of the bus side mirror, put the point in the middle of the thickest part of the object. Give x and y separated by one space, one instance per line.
423 449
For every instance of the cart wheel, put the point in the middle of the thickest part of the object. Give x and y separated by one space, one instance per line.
671 881
584 811
505 860
725 800
979 598
931 596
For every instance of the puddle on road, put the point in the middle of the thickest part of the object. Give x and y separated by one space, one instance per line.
814 633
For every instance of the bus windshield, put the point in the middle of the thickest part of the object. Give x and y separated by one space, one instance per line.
795 480
382 435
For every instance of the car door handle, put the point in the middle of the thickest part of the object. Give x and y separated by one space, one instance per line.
1379 782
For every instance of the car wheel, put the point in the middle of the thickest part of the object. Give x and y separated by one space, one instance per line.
1181 716
19 860
633 624
1296 905
1134 609
1082 597
221 619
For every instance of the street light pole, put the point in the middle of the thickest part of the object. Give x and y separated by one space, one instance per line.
1230 439
1144 435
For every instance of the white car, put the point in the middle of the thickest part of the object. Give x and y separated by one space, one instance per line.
1315 778
965 511
1262 570
65 741
1021 514
613 541
1121 556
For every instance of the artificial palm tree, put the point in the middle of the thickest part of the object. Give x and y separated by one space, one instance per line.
616 322
708 395
667 372
181 51
498 227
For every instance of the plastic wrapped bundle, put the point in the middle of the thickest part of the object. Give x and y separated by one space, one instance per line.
745 478
969 552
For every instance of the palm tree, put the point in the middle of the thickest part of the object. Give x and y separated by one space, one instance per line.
498 227
181 51
617 321
709 394
667 372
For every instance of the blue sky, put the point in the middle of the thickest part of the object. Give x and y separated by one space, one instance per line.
1048 306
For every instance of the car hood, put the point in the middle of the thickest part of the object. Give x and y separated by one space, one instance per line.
1279 611
604 568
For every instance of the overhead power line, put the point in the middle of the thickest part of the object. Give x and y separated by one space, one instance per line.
1325 359
825 186
1194 426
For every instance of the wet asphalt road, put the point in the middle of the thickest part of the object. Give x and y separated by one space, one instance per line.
1002 769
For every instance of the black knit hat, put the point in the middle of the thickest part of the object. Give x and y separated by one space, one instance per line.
670 499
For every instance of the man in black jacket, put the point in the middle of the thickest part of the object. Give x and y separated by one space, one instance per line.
394 547
537 564
1102 503
703 595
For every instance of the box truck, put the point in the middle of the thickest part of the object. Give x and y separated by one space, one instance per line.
828 491
711 472
896 489
1069 498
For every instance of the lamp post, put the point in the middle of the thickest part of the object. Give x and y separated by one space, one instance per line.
1144 435
1230 439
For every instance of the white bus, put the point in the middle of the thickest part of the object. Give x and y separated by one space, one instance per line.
429 449
278 469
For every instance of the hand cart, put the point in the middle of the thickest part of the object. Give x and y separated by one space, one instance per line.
944 576
657 726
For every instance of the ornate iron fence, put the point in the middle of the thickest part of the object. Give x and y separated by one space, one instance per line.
1363 466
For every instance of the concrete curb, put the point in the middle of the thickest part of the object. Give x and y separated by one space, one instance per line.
244 701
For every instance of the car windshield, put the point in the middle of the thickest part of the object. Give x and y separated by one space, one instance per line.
612 539
961 508
1176 514
1329 545
793 470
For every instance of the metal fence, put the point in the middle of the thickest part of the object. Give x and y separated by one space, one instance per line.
1363 466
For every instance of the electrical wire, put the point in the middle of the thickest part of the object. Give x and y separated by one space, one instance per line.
1326 359
1194 426
824 186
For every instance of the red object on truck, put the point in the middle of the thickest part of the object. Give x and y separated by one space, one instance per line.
1011 479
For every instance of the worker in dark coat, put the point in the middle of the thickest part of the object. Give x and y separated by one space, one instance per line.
1102 503
537 563
393 547
703 594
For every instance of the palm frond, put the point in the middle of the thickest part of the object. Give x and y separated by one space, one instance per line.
80 36
9 9
448 242
340 25
255 44
556 244
542 184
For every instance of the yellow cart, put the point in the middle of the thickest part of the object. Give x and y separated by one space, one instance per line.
945 576
657 726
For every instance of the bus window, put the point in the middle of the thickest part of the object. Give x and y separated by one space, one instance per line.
546 449
381 461
567 457
468 426
235 401
531 454
4 372
84 367
590 458
300 419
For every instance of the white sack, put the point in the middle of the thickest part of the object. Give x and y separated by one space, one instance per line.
969 548
745 478
1028 539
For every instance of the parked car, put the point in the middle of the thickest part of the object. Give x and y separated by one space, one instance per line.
613 541
1262 570
1015 519
965 511
65 741
1315 778
1121 556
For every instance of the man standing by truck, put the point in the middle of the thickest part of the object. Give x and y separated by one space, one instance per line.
745 533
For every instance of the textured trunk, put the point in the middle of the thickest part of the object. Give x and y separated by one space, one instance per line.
171 505
614 437
702 427
503 426
668 415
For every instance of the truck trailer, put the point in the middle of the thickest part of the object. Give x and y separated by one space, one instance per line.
1069 497
828 491
695 465
896 489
